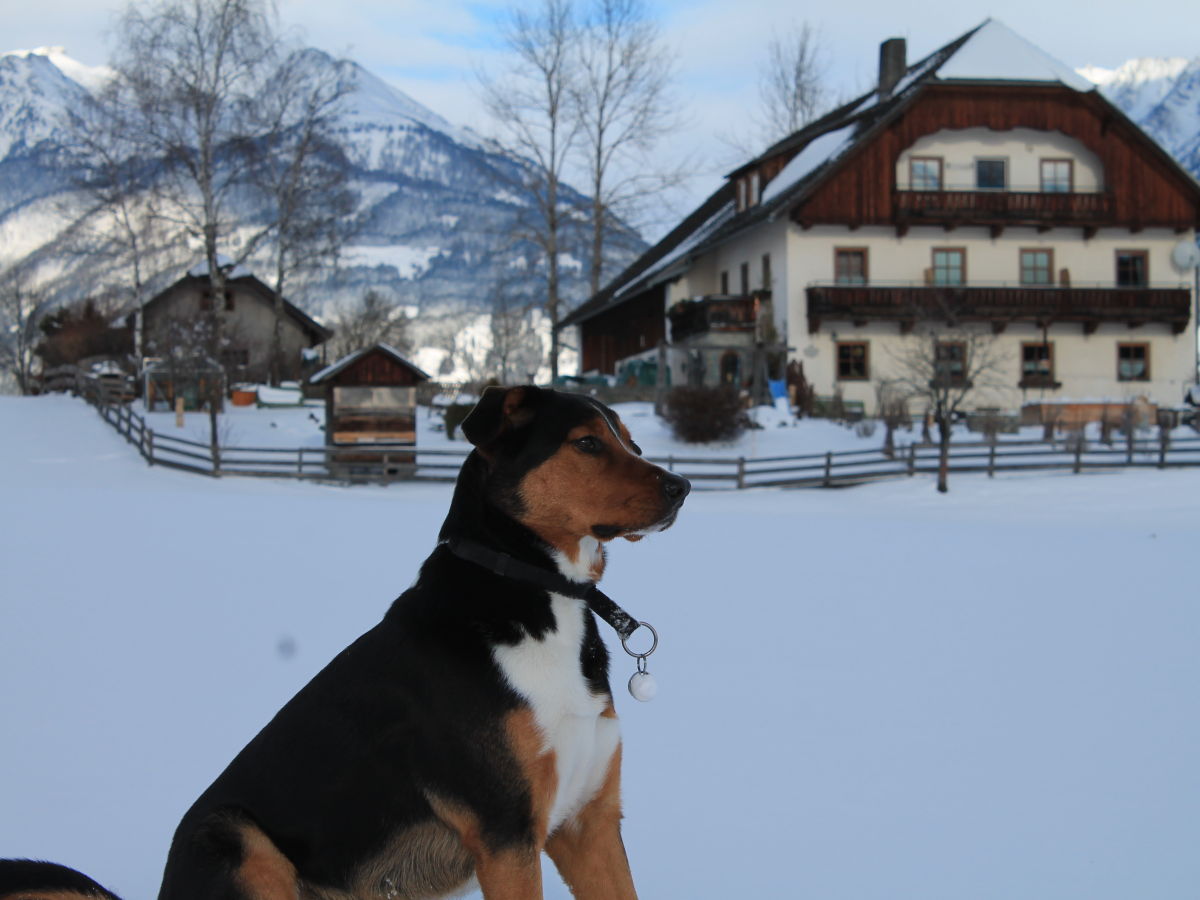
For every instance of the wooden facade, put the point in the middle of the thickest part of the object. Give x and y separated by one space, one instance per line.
632 327
1145 188
371 398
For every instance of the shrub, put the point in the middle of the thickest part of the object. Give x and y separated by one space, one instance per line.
699 415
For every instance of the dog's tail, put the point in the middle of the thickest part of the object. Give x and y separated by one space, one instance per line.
27 879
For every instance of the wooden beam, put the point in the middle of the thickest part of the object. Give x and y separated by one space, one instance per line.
998 326
1089 232
996 231
901 229
1090 326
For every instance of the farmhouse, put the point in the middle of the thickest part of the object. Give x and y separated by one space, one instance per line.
168 322
986 189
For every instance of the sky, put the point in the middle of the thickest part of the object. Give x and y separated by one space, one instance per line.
434 50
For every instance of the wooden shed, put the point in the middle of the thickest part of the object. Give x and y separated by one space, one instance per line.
371 399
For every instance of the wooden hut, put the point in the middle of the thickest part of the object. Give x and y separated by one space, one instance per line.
371 401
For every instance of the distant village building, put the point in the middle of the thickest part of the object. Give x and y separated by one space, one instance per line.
170 320
370 399
987 179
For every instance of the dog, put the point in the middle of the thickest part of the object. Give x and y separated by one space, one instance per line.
474 727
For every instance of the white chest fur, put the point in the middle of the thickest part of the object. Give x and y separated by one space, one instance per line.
547 674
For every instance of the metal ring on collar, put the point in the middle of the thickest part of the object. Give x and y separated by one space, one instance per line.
653 646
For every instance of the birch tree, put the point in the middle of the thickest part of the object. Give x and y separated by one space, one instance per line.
791 86
531 103
621 98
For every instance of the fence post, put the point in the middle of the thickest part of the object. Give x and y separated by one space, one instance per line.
912 459
150 446
385 469
300 462
828 468
215 450
992 460
741 472
1079 453
1164 439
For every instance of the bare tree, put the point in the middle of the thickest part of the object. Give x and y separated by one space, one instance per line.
532 106
791 85
21 308
623 108
942 362
372 319
516 347
301 174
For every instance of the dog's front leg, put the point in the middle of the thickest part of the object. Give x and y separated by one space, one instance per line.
588 850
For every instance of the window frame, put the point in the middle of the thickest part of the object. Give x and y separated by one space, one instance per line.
1038 379
866 264
950 379
1056 160
766 272
941 172
1144 255
1003 161
744 279
725 283
1145 348
866 361
962 253
1021 268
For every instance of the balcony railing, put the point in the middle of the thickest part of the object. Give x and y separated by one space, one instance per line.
1003 207
1000 304
718 312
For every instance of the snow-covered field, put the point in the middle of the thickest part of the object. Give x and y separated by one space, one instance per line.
877 692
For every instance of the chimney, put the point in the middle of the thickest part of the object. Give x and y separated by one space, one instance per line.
892 65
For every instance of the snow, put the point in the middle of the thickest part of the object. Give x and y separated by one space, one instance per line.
91 77
410 262
708 227
818 151
997 53
869 693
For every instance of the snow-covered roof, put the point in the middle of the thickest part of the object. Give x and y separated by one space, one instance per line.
200 269
331 370
994 52
710 226
821 150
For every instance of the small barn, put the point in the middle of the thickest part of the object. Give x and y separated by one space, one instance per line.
371 399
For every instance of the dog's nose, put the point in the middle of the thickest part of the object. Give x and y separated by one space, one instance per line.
675 488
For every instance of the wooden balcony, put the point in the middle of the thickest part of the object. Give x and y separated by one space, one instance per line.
716 313
998 209
1000 305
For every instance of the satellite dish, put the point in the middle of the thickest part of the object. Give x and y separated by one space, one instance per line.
1186 256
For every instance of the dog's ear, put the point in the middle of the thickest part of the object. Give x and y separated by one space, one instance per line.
499 411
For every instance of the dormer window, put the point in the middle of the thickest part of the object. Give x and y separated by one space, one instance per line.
991 174
752 199
741 194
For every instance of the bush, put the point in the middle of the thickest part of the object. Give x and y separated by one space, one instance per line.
699 415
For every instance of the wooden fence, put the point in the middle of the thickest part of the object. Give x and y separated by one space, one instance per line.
384 463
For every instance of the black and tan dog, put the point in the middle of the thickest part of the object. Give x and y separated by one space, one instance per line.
474 726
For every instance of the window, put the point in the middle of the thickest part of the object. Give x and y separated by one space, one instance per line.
724 282
1133 362
1037 267
950 266
1057 176
752 197
232 357
850 265
925 173
741 194
950 362
991 174
1037 365
766 271
744 277
1132 270
852 361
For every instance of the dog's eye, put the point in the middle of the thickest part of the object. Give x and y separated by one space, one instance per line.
589 445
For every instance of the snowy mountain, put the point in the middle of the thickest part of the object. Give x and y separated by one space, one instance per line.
1160 95
437 206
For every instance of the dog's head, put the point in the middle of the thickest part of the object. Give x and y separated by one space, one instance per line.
565 466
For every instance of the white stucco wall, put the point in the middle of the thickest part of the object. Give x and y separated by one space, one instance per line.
1022 148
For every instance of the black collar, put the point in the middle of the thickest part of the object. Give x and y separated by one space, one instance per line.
509 567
